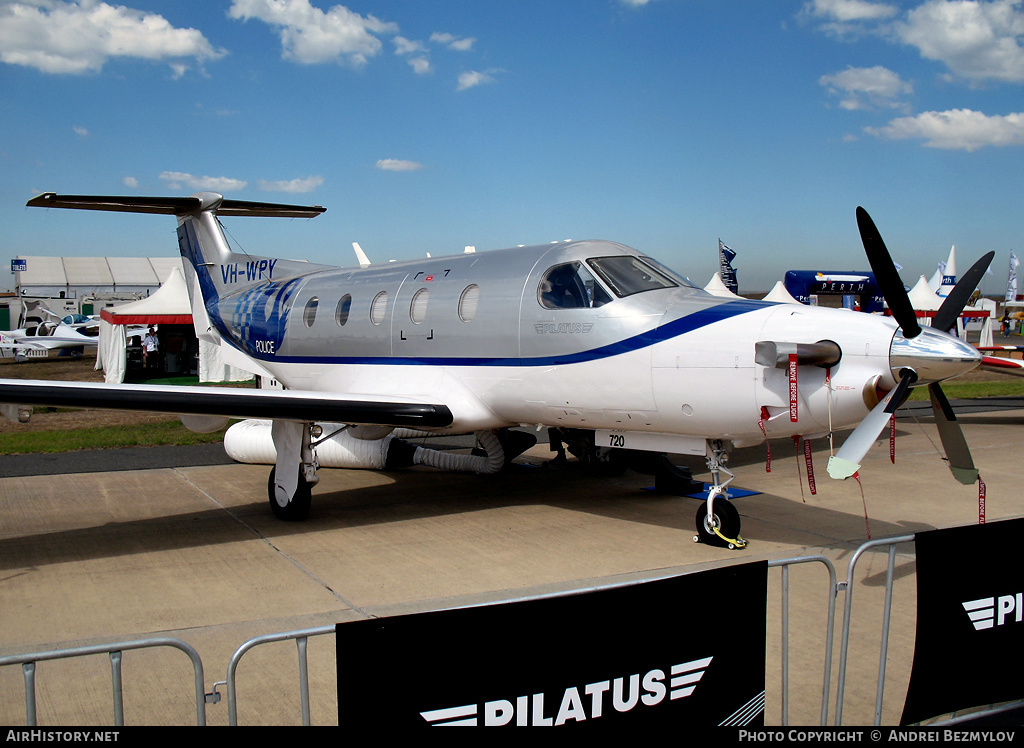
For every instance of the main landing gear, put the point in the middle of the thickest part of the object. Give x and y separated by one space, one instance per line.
291 494
718 522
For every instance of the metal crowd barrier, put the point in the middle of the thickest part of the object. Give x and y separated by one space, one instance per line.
301 637
114 651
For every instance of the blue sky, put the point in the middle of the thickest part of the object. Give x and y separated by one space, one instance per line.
427 126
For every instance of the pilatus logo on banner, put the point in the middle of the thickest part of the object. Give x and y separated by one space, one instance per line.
994 611
577 704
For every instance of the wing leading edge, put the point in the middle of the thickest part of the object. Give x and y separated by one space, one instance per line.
290 405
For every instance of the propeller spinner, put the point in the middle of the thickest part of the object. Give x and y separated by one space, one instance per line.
918 356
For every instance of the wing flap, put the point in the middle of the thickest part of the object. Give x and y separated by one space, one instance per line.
291 405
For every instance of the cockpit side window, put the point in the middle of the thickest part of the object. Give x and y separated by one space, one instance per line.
627 275
570 286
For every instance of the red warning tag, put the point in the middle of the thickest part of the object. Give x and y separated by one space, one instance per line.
792 388
760 422
981 501
810 465
892 438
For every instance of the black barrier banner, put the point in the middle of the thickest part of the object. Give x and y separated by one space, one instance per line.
690 649
970 620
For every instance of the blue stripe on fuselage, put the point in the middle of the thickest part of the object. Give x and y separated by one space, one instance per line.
672 329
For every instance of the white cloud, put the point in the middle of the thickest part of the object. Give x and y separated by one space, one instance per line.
847 11
405 46
131 182
80 131
421 62
420 65
309 35
975 40
867 88
394 164
459 44
80 37
473 78
294 186
177 180
956 129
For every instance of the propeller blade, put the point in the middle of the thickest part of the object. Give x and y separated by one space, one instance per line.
886 275
846 461
958 454
954 304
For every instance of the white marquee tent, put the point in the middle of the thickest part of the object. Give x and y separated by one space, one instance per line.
169 305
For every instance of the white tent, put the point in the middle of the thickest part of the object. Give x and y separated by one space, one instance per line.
923 298
716 287
780 294
169 305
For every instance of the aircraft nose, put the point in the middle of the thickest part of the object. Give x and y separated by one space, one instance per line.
933 355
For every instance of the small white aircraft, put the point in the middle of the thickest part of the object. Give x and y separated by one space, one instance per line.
588 337
48 336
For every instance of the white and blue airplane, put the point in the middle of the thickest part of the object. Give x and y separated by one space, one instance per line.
590 338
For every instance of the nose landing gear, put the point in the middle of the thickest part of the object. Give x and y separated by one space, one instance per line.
718 522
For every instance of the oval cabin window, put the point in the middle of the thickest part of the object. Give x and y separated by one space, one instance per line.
378 307
341 313
309 313
468 301
418 307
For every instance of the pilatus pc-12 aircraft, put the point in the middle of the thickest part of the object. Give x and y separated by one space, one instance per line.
589 338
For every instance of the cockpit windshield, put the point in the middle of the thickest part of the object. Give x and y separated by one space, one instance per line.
626 275
682 280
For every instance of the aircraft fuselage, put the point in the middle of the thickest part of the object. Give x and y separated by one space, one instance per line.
669 359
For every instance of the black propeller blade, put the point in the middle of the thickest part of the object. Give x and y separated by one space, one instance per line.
887 277
958 454
954 304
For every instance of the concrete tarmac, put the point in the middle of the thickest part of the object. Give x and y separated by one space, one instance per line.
194 553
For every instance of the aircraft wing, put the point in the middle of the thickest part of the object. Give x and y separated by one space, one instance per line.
233 402
1014 366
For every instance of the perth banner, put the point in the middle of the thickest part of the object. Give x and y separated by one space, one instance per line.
970 620
688 649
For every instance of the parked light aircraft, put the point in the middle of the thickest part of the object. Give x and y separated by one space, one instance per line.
49 336
590 337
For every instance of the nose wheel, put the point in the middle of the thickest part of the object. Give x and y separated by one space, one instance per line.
718 522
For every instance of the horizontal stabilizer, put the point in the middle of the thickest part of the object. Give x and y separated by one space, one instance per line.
174 206
291 405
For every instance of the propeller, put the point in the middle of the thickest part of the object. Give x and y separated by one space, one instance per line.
937 355
950 434
957 299
887 276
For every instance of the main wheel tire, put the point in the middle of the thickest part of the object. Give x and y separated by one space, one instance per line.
727 518
298 508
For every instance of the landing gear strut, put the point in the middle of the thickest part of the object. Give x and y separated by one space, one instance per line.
290 486
718 522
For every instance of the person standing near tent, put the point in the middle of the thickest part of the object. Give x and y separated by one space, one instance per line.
150 348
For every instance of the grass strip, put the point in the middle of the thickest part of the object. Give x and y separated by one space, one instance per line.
69 440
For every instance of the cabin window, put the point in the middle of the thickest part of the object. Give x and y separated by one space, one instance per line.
309 313
468 301
418 307
627 275
570 286
341 313
378 307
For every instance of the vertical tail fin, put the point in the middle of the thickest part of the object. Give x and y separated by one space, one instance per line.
211 268
209 262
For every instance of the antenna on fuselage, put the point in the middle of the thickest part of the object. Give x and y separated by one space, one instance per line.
361 258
